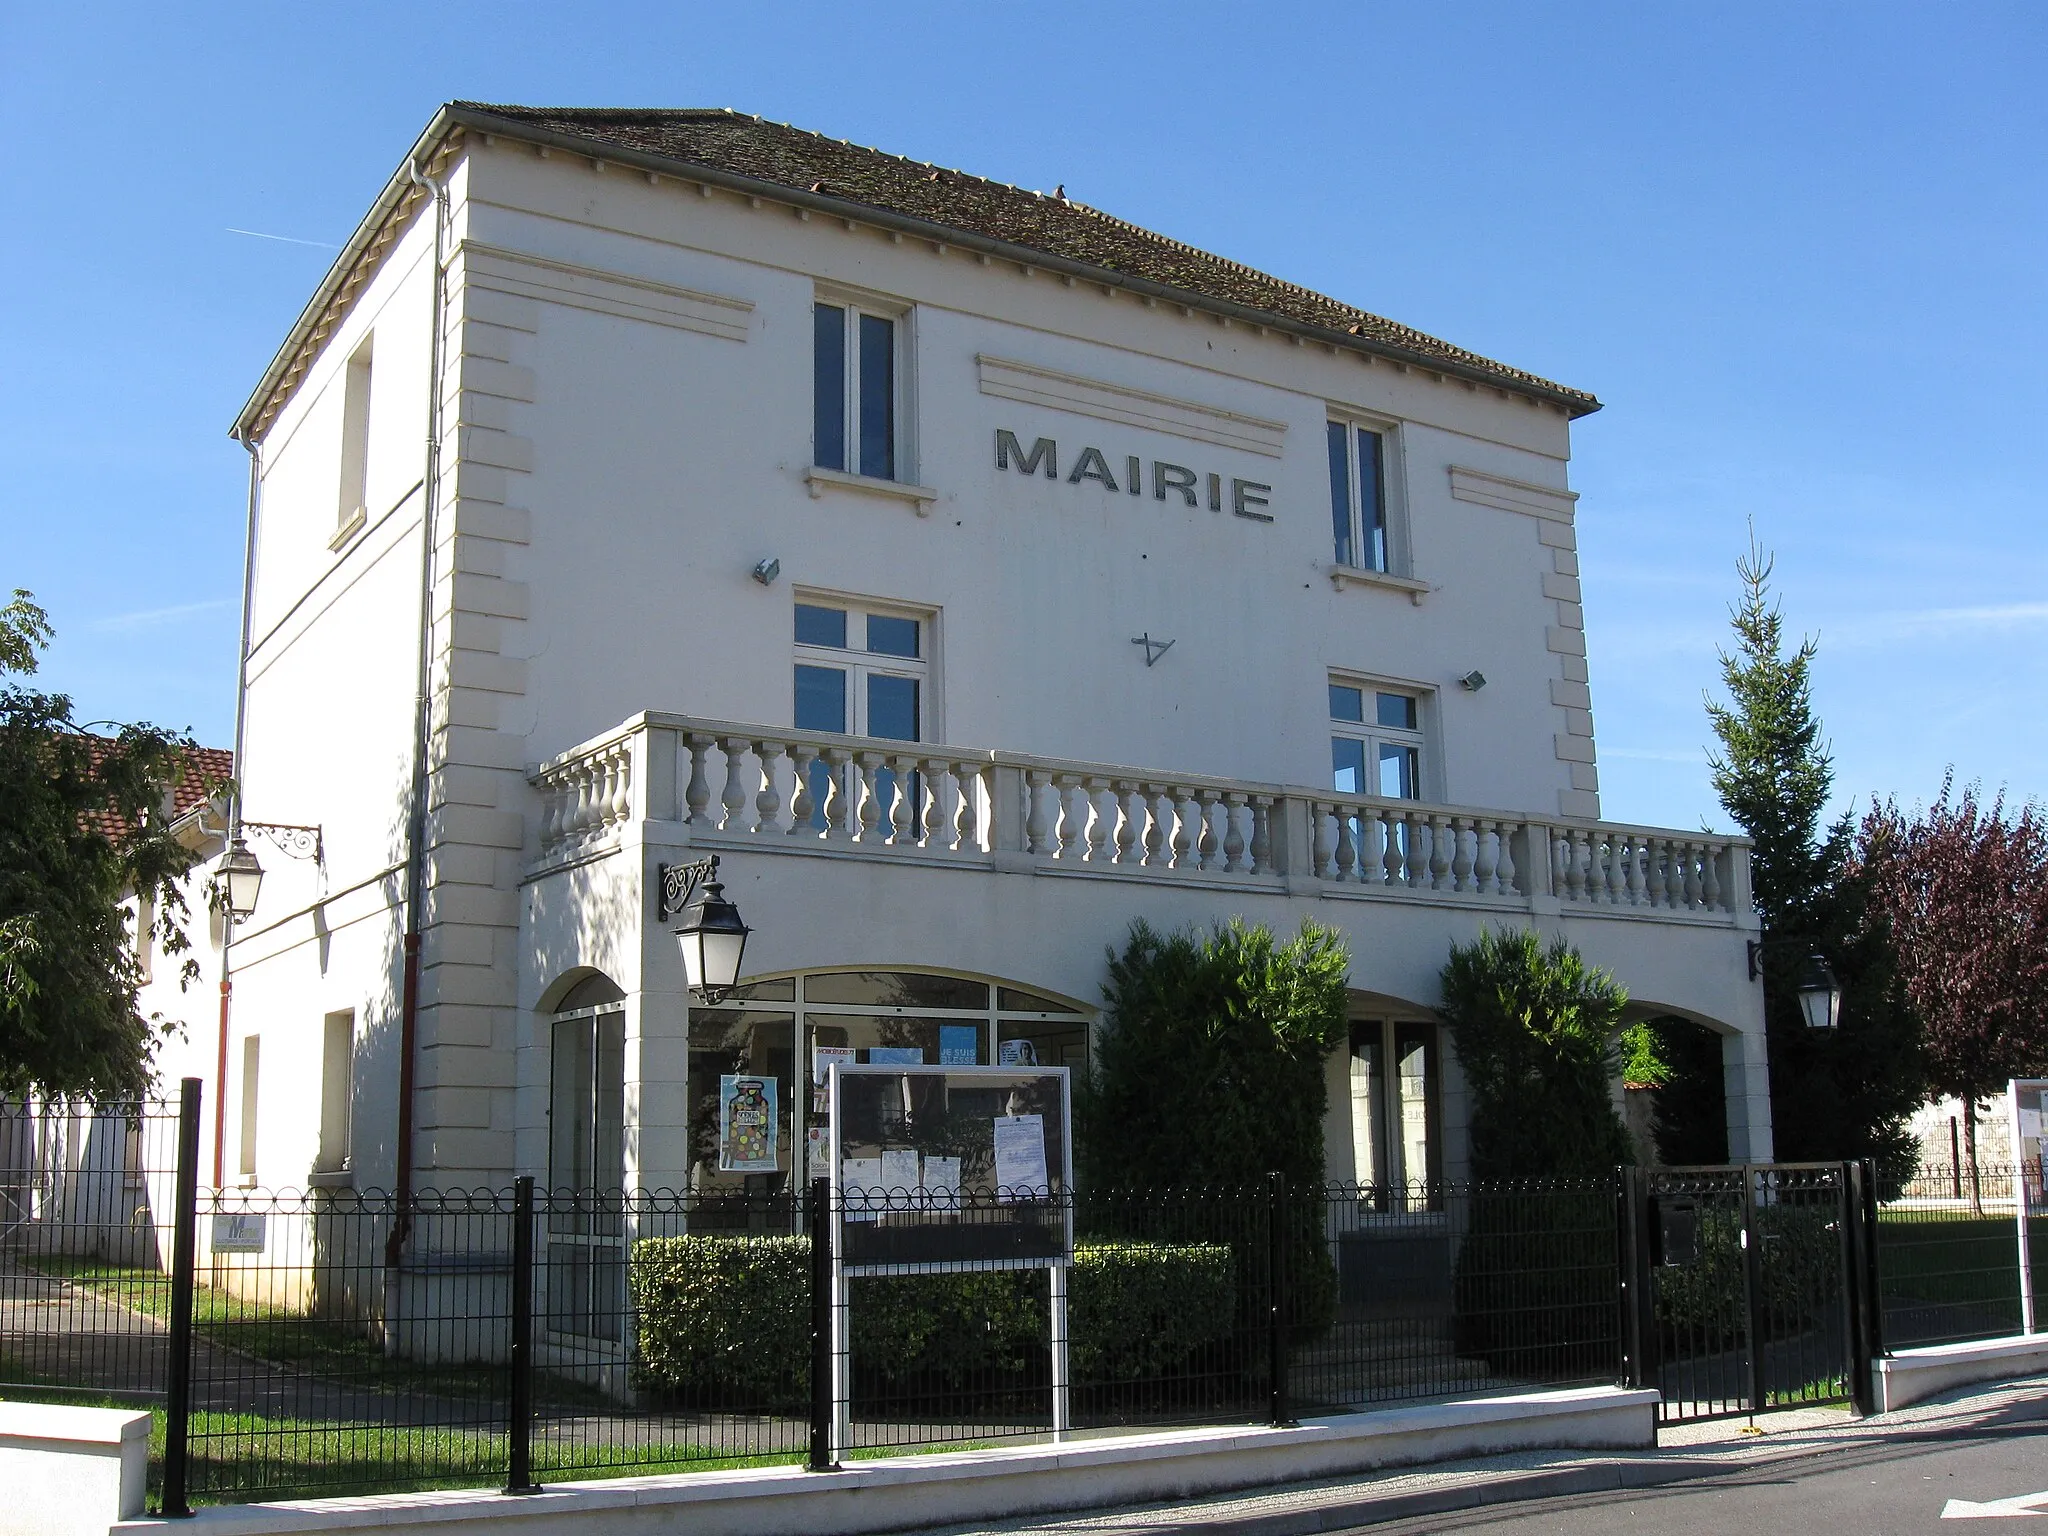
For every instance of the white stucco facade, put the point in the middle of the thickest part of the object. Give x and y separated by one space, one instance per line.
625 433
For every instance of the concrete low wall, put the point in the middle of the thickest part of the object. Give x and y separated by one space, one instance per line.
1913 1375
70 1471
907 1491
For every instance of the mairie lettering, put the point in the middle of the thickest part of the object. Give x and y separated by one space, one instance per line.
1247 498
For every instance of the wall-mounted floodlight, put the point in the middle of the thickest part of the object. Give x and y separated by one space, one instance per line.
1472 681
767 570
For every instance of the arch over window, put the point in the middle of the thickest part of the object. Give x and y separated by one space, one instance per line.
595 990
775 1027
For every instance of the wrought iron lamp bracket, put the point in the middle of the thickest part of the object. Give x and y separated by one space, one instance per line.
679 883
293 842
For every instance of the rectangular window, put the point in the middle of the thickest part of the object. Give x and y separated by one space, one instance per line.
355 439
252 1052
854 390
860 671
1394 1112
1376 741
1358 496
337 1089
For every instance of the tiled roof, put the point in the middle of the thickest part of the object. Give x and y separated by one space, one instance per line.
735 144
204 766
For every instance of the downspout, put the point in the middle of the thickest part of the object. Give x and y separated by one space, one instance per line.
416 818
227 929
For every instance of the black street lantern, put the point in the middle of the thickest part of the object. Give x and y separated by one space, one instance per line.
241 877
713 937
1820 994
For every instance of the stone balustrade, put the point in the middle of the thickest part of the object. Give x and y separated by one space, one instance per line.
745 786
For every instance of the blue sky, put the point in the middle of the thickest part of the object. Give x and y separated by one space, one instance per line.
1799 250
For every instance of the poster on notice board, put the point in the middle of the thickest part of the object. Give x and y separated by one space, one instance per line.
747 1124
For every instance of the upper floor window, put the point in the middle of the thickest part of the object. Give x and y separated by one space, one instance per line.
860 671
1376 741
352 508
1358 496
855 386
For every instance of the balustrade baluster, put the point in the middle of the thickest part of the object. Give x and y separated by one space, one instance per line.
1344 864
1073 817
1037 831
903 819
1233 835
1098 824
1122 794
1505 872
1186 837
1463 855
935 775
1262 834
1149 806
1710 879
1486 848
967 776
801 757
1656 852
1323 822
867 808
768 800
1206 801
1439 852
837 822
734 797
1694 890
697 795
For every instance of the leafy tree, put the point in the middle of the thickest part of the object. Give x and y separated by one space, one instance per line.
1209 1066
1845 1093
1208 1074
1961 891
82 824
1537 1032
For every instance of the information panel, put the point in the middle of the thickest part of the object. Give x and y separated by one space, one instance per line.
950 1167
2029 1100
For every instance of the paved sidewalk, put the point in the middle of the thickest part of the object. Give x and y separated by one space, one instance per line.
1686 1451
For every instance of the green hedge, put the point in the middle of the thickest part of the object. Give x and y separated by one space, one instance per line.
725 1321
1801 1272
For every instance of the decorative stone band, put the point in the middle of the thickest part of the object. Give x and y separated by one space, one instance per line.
795 790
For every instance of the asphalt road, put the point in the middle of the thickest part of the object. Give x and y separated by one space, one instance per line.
1899 1487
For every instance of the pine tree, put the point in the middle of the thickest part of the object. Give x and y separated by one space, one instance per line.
1848 1093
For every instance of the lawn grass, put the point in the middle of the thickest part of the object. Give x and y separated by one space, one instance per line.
317 1346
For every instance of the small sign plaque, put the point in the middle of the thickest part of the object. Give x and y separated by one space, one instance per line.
238 1232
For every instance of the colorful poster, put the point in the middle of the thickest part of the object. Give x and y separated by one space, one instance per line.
959 1045
1020 1154
747 1124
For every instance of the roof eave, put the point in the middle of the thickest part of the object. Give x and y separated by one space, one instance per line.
925 229
337 274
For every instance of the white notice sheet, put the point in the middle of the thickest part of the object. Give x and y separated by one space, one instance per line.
1020 1153
899 1175
942 1183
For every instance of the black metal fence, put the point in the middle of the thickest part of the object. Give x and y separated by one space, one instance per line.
330 1341
1948 1256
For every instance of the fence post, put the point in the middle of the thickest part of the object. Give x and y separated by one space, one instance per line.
1276 1296
1628 1239
184 1266
1753 1290
818 1222
519 1475
1855 1300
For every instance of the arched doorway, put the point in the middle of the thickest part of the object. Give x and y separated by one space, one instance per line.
585 1286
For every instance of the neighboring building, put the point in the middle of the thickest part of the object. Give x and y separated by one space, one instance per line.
972 571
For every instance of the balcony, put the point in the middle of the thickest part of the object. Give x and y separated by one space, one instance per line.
748 788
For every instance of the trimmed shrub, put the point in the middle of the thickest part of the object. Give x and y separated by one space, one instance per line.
724 1322
1801 1273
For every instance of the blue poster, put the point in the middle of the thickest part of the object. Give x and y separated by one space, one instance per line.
959 1045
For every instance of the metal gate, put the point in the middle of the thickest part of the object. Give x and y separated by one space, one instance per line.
1750 1287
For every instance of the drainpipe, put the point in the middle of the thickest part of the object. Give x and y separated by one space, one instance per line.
416 818
227 921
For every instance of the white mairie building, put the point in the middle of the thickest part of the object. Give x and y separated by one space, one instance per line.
971 572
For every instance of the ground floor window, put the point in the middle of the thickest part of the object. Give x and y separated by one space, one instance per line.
1395 1116
771 1041
586 1291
